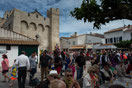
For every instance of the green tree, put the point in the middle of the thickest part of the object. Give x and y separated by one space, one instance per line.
124 44
103 12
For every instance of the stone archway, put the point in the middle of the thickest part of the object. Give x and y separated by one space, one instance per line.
41 27
32 26
24 27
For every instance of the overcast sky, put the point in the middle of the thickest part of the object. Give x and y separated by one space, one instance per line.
68 24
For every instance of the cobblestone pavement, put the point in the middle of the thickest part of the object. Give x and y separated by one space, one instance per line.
5 84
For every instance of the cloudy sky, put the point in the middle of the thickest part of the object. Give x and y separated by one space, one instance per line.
68 24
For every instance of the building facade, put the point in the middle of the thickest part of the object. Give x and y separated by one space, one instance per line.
119 34
84 41
12 43
34 25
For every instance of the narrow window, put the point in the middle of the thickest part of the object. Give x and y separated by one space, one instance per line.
106 41
28 14
36 16
120 39
114 40
7 16
73 42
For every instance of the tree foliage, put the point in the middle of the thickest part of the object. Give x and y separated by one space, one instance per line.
106 11
124 44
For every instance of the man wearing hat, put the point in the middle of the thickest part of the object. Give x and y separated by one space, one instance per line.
50 77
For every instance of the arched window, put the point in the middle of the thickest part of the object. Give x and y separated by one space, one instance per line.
32 26
40 27
24 25
47 27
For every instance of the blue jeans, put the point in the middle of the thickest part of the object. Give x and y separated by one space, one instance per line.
79 72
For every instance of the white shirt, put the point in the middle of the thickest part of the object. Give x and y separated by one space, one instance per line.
36 58
23 61
87 81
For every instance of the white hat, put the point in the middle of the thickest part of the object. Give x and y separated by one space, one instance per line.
53 72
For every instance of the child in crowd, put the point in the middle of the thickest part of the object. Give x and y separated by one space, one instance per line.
13 74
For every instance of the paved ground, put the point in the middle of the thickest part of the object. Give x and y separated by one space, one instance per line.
5 85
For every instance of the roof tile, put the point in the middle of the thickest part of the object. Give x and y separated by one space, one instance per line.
18 42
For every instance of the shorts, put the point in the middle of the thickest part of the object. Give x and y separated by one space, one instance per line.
4 71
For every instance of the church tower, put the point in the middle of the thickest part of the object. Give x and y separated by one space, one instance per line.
53 14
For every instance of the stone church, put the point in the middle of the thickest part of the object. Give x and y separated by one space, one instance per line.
34 25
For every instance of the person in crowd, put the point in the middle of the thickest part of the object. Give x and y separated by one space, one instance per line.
121 70
68 61
69 80
36 57
57 49
57 84
97 75
94 59
103 56
23 64
75 54
80 63
33 67
51 76
129 68
88 64
112 59
106 73
72 64
5 67
57 62
112 68
129 57
63 55
14 74
89 80
44 64
87 54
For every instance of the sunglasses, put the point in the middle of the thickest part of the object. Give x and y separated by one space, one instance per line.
55 77
69 75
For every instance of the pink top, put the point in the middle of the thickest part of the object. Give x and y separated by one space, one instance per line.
5 64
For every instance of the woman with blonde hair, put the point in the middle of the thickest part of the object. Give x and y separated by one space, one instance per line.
89 80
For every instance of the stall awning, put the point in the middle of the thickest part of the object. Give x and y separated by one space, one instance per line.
78 47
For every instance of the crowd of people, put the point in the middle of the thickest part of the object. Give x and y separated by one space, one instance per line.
74 69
